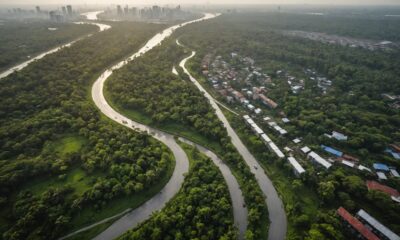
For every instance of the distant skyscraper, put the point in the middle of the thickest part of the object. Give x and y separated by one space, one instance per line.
119 10
126 10
69 9
38 9
64 10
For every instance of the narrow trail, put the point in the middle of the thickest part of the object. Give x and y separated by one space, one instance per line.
277 215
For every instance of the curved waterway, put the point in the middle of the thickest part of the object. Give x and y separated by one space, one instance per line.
156 203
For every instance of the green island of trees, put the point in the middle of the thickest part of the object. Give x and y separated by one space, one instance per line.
201 210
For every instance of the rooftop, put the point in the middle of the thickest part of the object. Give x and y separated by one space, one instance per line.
381 166
296 165
320 160
377 225
356 224
373 185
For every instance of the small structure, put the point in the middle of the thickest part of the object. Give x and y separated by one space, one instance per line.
332 151
297 140
265 138
257 129
266 119
373 185
318 159
381 167
285 120
348 163
363 168
339 136
257 111
356 224
394 172
378 227
305 149
381 176
275 149
297 168
250 107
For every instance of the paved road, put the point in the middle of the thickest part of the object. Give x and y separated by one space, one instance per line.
102 27
277 215
142 213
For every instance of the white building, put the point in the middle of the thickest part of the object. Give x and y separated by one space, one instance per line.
376 225
320 160
297 168
305 149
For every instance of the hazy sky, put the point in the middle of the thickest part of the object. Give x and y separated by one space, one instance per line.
132 2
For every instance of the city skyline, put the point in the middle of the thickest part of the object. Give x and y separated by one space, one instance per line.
216 2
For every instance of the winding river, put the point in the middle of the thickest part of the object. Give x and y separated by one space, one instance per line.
156 203
102 27
276 211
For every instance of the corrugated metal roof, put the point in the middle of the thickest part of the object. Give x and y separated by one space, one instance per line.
372 185
381 166
320 160
381 175
296 165
265 138
377 225
332 150
348 163
356 224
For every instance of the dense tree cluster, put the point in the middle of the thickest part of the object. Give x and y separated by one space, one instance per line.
18 40
49 99
201 210
155 91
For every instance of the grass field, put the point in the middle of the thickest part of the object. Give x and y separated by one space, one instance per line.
67 144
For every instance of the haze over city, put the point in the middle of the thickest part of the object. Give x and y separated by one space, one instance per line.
210 119
239 2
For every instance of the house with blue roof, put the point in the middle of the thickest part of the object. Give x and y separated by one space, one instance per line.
332 151
381 167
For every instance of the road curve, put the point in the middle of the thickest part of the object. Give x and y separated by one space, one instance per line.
102 27
143 212
277 215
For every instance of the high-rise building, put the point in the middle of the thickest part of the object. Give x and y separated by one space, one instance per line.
69 9
64 10
126 10
119 10
38 9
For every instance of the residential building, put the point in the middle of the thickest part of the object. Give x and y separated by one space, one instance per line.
297 168
339 136
381 167
318 159
378 228
355 224
269 102
305 149
373 185
381 176
332 151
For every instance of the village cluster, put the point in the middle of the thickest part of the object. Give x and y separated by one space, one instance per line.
225 79
343 41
